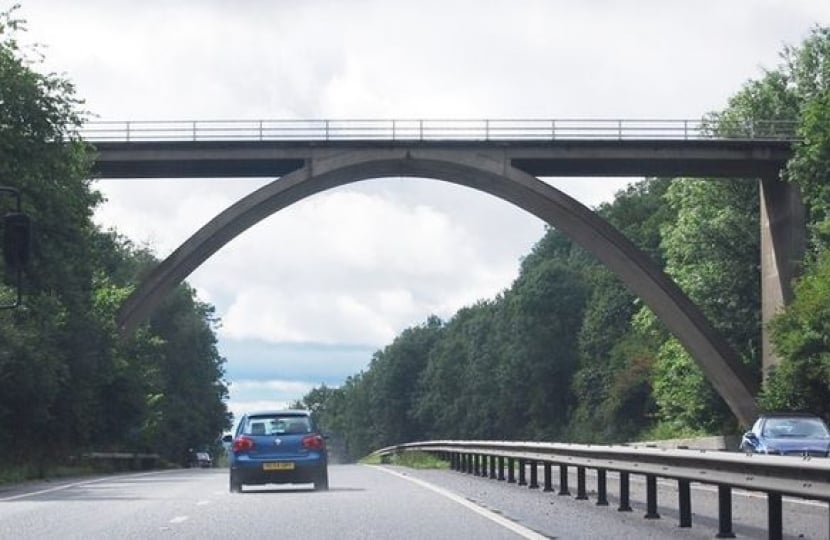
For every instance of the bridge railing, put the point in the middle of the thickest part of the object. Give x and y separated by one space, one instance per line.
806 477
433 130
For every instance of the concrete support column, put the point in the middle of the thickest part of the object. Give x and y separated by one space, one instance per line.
783 241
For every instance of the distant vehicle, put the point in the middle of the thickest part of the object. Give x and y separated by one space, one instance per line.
203 460
277 447
788 434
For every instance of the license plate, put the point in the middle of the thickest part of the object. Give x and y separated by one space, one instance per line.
280 466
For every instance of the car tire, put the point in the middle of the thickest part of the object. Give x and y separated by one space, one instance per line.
235 484
321 480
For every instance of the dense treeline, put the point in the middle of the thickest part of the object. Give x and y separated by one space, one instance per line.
567 353
68 383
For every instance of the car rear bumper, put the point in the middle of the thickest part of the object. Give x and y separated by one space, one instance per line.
251 471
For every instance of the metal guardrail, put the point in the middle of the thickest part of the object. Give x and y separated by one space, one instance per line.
434 130
123 460
773 475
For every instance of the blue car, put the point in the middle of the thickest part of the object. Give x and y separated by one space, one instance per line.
788 434
277 447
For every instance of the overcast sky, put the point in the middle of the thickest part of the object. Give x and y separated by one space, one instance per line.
307 295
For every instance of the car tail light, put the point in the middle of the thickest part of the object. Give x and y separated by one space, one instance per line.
242 444
313 442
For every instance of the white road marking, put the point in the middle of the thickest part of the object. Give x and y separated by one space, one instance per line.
202 503
76 484
524 532
179 519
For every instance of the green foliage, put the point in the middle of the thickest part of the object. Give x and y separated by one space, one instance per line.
799 334
667 429
711 251
612 387
65 374
802 338
568 353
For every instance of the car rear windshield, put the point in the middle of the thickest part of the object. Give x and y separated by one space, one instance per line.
801 428
276 425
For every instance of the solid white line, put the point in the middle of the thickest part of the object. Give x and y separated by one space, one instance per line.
524 532
76 484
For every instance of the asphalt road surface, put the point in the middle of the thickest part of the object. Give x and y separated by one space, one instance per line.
364 502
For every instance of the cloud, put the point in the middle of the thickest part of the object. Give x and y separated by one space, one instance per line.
309 363
358 264
239 408
272 387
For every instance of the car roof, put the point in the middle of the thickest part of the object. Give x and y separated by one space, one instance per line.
781 414
278 412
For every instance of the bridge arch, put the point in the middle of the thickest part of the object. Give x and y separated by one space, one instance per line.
490 173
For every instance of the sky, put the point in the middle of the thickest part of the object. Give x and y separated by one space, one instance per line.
309 294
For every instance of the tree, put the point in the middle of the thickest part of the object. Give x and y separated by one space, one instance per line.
65 375
49 346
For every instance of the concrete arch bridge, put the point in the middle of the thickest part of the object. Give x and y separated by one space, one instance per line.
504 158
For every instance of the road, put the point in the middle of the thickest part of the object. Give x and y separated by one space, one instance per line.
364 502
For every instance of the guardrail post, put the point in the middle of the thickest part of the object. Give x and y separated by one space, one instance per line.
725 512
581 493
522 472
625 502
775 525
619 130
602 492
492 467
511 470
487 130
476 464
194 130
684 496
651 497
553 130
563 480
501 468
420 130
534 480
260 130
327 129
548 483
128 131
485 464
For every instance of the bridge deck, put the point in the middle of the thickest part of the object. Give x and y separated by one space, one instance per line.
723 158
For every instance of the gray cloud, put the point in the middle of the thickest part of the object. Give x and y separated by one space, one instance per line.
358 264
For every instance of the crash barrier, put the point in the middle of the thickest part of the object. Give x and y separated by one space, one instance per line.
121 461
776 476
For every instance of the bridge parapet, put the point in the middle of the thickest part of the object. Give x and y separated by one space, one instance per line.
435 130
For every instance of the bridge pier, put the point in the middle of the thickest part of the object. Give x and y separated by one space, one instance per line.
783 242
